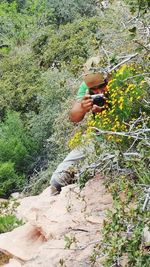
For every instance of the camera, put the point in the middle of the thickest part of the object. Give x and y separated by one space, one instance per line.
99 99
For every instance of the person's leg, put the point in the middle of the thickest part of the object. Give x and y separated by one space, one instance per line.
62 175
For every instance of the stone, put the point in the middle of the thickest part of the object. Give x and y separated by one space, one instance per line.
51 221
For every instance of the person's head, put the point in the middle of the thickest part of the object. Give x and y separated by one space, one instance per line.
96 81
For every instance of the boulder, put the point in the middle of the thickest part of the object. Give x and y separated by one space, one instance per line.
60 229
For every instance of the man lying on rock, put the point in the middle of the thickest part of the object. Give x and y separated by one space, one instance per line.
90 98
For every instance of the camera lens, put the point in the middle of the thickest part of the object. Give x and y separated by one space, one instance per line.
99 101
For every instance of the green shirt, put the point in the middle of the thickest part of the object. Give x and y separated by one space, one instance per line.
82 90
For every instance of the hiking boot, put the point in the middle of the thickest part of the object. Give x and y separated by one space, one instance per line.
53 191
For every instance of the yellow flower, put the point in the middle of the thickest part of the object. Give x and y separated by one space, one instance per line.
109 137
142 82
75 140
121 106
122 69
113 101
131 87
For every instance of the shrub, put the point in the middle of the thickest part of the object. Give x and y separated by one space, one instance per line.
125 104
8 223
140 6
55 90
77 41
67 11
18 152
16 144
10 181
19 84
20 19
123 227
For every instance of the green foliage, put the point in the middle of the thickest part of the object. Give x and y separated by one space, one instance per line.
40 13
15 143
17 149
19 20
9 179
123 227
35 51
67 11
69 241
141 169
141 6
19 84
55 90
125 98
8 223
126 91
84 177
77 40
14 26
125 159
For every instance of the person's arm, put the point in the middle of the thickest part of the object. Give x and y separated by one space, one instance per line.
80 108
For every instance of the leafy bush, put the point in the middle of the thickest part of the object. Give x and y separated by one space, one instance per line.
14 27
77 40
125 104
49 96
10 181
17 152
67 11
55 91
123 155
15 143
19 84
123 228
141 6
8 223
20 19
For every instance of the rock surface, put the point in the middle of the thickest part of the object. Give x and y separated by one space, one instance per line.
60 230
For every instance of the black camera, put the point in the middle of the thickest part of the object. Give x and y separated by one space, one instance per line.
99 99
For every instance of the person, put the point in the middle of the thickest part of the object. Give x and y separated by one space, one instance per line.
93 84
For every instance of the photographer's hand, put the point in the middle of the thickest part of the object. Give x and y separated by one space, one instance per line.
86 103
97 109
80 108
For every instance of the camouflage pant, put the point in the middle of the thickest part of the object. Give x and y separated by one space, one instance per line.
63 175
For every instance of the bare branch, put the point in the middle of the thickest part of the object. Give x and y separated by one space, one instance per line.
134 134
